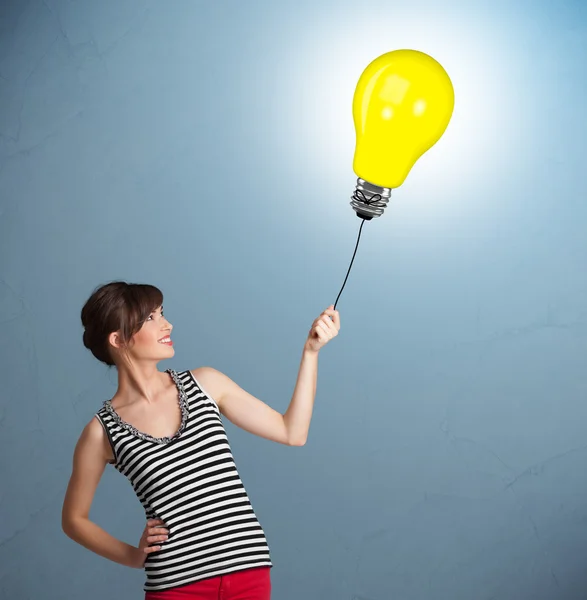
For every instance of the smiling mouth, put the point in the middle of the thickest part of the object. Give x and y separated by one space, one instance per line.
166 341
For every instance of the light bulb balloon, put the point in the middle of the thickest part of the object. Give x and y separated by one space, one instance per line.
402 105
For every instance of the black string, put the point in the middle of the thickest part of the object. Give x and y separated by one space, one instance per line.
347 274
374 200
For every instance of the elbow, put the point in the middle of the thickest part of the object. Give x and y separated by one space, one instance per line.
69 527
64 522
291 437
297 442
66 527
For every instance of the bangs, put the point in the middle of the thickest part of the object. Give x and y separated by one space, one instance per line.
141 300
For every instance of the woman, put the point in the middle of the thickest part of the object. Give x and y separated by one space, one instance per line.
164 432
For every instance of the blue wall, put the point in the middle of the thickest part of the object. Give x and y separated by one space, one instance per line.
207 148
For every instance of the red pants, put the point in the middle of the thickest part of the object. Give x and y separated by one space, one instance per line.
252 584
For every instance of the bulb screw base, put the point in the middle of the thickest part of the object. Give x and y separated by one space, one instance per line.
368 200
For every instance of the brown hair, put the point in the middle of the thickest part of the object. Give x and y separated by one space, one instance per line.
116 306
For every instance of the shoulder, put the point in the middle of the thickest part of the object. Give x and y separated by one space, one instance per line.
212 381
94 438
204 372
93 432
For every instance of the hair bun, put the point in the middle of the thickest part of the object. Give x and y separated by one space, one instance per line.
86 339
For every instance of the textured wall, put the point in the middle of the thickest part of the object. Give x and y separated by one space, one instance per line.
207 148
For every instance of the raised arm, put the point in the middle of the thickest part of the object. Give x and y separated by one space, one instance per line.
255 416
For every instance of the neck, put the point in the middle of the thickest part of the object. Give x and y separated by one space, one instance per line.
139 381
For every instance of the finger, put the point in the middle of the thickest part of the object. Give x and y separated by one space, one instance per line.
328 330
321 331
323 325
332 314
335 316
156 538
150 549
157 530
329 323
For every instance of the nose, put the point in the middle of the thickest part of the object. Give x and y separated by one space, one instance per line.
167 324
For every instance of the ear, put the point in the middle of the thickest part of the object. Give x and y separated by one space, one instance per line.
114 339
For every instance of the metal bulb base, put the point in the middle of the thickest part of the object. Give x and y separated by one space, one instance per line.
368 200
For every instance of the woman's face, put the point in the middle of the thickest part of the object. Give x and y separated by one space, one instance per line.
152 341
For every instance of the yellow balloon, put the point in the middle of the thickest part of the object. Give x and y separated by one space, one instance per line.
402 105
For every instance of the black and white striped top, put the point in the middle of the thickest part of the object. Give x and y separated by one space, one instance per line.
191 483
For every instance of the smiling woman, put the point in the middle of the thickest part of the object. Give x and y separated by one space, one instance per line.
117 309
164 432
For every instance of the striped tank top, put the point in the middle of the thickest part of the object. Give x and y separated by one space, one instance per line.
191 483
